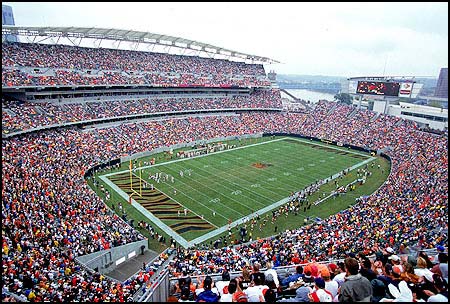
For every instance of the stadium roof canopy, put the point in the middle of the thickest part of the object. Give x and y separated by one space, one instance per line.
135 37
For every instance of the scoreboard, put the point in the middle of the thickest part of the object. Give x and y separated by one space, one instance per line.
381 86
378 88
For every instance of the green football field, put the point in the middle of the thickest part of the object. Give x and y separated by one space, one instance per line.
229 185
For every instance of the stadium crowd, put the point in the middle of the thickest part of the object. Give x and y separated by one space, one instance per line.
50 216
12 77
357 278
70 65
18 116
49 220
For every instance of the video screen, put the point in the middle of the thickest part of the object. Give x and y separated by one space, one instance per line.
378 88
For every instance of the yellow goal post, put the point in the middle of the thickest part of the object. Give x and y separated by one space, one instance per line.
138 191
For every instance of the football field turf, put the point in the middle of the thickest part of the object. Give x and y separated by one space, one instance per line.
229 185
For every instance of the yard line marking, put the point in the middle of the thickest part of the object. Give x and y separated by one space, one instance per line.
281 202
289 160
266 174
245 181
182 204
198 156
262 173
183 193
181 240
258 194
240 169
296 188
220 194
213 233
238 185
230 150
205 185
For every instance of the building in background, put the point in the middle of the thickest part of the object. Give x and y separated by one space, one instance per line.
394 95
425 116
8 19
442 84
272 75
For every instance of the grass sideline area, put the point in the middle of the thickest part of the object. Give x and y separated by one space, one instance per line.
230 185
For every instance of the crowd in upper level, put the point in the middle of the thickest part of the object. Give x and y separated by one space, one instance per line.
27 64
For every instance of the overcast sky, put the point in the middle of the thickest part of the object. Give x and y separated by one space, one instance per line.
334 39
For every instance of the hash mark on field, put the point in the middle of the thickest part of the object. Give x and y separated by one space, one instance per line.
277 149
331 157
322 160
199 156
231 189
190 210
287 173
311 165
224 162
239 157
300 169
205 166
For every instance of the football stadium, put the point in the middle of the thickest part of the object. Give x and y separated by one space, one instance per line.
141 176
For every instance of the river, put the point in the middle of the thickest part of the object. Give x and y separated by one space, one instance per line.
312 96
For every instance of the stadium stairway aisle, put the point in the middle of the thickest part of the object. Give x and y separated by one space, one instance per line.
131 266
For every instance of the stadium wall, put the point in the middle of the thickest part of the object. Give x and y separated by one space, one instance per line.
106 260
336 143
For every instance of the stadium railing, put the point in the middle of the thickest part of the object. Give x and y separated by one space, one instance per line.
158 275
159 290
21 298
